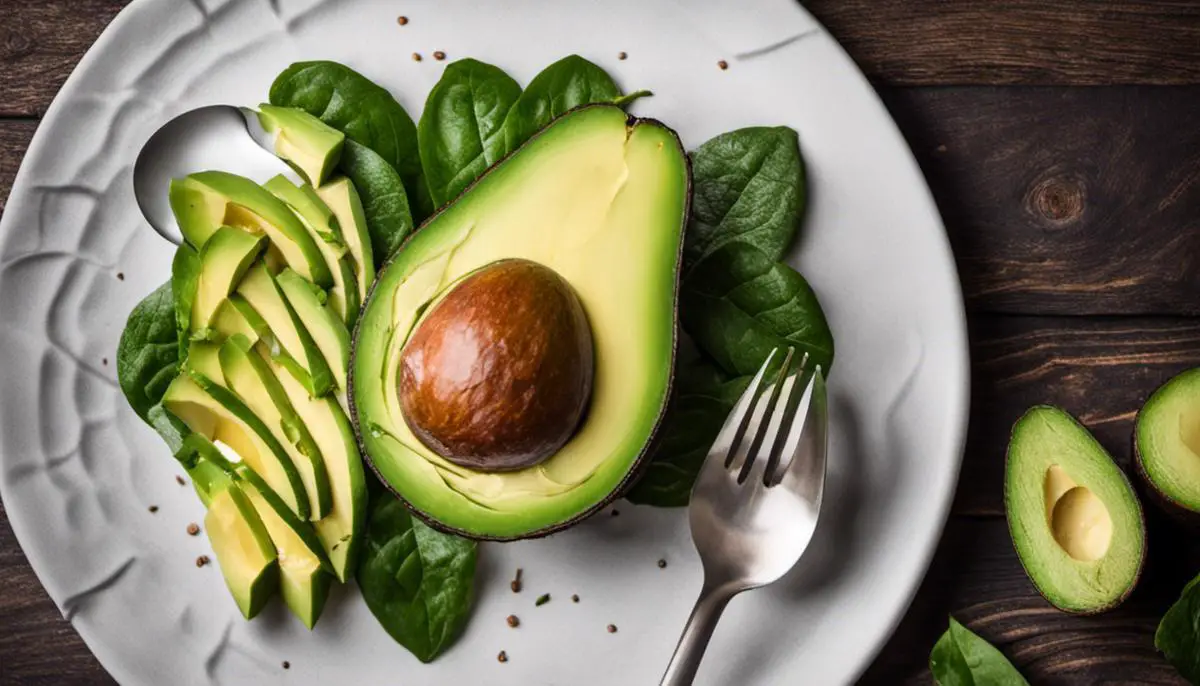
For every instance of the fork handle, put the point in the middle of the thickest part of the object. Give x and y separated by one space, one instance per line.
686 660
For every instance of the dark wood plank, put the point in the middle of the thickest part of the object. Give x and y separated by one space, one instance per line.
1100 370
977 577
1065 201
934 42
14 139
37 646
40 43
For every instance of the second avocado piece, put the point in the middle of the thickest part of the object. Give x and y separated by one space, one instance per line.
1167 442
1074 518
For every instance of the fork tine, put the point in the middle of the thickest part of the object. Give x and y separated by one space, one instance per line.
736 424
787 421
812 400
764 424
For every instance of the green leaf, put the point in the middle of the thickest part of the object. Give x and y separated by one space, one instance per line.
385 202
568 83
1178 635
748 186
358 107
738 305
148 353
703 398
417 582
461 132
185 277
962 658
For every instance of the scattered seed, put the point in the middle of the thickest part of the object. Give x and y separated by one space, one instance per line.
439 55
616 513
513 621
402 20
723 65
622 55
193 529
574 598
416 57
515 586
542 600
104 361
662 564
941 148
153 509
612 628
120 276
502 657
287 665
202 560
179 480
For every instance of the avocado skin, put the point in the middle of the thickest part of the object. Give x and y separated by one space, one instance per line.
1137 503
642 460
1178 512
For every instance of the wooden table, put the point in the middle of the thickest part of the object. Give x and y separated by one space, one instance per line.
1062 141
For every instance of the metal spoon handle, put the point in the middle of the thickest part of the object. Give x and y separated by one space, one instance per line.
690 651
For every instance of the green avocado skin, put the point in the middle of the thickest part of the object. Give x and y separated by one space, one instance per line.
1166 436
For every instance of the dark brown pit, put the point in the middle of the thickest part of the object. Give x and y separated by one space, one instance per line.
499 373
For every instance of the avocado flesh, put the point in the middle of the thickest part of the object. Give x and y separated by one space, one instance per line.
1167 441
247 375
293 345
205 201
328 332
326 232
341 531
602 201
234 317
343 200
224 260
1074 518
308 144
243 549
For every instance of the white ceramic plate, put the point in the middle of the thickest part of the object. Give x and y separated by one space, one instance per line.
79 470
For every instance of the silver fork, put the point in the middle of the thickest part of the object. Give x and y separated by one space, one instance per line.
755 503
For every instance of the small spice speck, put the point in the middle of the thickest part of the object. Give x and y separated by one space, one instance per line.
202 560
193 529
723 65
515 586
179 480
662 564
287 665
502 657
416 57
542 600
574 598
513 621
439 55
402 20
616 513
612 628
104 361
120 276
153 509
622 55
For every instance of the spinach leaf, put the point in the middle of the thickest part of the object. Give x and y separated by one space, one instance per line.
461 132
962 658
385 203
148 353
418 582
748 186
1178 635
358 107
738 304
185 277
704 397
569 82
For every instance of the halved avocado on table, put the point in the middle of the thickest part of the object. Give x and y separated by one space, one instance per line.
292 344
1167 443
224 260
243 548
308 144
205 201
587 216
342 198
1075 520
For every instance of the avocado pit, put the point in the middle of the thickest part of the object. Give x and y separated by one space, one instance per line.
498 374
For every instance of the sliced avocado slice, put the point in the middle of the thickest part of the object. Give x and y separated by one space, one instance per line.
1075 520
323 225
217 414
293 345
1167 442
341 532
595 193
205 201
224 260
327 330
243 549
342 198
247 375
232 319
308 144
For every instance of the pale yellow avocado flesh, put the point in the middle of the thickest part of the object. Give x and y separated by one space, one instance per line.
1167 437
243 549
602 204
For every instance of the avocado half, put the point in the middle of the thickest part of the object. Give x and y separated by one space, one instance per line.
1166 443
600 198
1075 520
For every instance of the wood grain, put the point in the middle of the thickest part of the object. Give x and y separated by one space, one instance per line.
1065 200
14 139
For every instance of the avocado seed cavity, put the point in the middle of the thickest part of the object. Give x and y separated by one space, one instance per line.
1079 521
498 374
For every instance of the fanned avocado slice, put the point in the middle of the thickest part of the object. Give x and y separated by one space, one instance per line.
235 317
342 198
601 200
328 332
1075 520
224 260
292 343
308 144
243 549
1167 443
